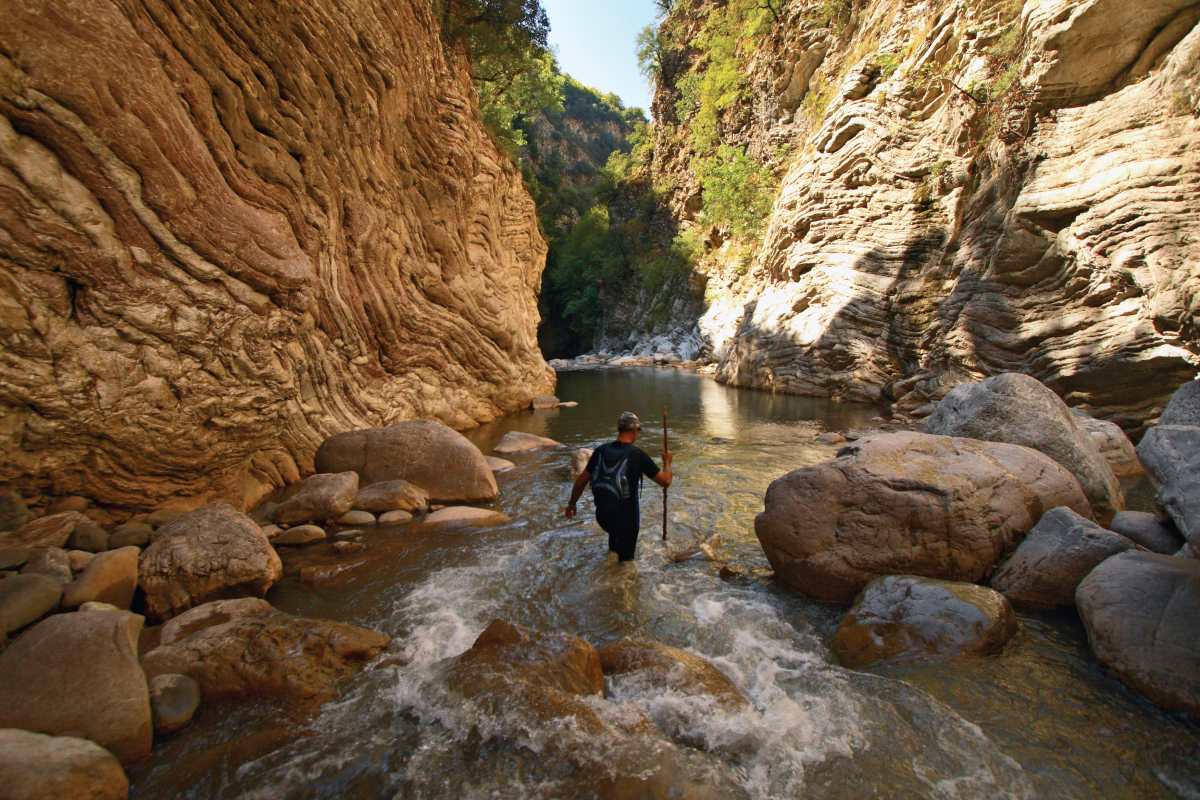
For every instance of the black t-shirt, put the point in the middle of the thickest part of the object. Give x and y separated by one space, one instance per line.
624 510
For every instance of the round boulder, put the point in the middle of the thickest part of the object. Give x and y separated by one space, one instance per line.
173 702
1149 530
387 496
1018 409
34 766
1058 553
521 442
907 503
78 674
905 618
212 553
27 598
110 577
427 453
1140 610
319 498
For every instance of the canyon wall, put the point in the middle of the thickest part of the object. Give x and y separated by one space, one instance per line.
966 188
228 230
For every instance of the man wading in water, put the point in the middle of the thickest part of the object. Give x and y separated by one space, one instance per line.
615 471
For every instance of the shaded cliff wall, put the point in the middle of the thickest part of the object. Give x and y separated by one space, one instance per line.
228 230
966 188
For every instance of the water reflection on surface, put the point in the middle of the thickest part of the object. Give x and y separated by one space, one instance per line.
1041 720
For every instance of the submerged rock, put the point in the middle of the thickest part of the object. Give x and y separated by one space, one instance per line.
672 669
499 464
1140 611
1018 409
267 654
907 503
521 442
34 766
904 617
429 454
78 674
319 498
1149 530
1058 553
212 553
379 498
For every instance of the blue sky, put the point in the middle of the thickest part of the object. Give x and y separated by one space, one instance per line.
595 40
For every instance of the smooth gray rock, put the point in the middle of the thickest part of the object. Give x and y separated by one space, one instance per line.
174 699
1018 409
1058 553
1184 407
905 618
1141 610
433 456
51 561
27 598
1148 530
319 498
1171 454
34 766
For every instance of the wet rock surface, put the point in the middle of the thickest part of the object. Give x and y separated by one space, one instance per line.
1140 611
267 655
521 442
1050 562
907 618
907 503
78 674
211 553
465 516
1018 409
671 669
439 460
34 766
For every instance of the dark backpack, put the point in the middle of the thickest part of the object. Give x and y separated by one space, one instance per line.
612 478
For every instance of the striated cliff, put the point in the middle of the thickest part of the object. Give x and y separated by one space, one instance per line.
228 230
964 188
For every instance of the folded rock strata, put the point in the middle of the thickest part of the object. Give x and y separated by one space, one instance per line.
233 229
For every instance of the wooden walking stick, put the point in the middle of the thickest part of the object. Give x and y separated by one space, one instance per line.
665 451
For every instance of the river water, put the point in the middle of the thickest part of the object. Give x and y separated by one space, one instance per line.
1040 720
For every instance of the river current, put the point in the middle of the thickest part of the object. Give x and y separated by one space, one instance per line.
1043 719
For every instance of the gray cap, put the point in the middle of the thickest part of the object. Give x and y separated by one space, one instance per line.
628 421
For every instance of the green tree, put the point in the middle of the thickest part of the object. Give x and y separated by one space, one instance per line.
738 192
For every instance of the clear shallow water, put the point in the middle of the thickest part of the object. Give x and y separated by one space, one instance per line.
1041 720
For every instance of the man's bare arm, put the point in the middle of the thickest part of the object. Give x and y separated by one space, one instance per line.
581 483
664 476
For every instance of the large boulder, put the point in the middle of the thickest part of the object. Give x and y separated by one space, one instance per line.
110 577
1112 443
671 669
78 675
34 766
1018 409
1058 553
1149 530
319 498
212 553
429 454
907 503
521 442
1141 611
51 531
27 598
379 498
266 655
544 677
904 617
1171 453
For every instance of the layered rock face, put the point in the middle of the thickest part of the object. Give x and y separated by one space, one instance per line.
229 231
967 189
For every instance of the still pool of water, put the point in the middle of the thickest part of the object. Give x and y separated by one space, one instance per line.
1041 720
